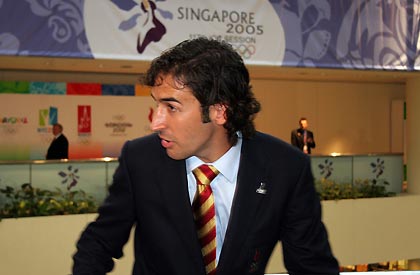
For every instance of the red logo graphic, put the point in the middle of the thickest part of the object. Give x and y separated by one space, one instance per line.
84 119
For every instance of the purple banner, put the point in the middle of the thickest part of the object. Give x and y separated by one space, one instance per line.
358 34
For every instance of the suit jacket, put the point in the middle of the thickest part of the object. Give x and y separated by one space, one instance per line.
297 139
149 191
59 148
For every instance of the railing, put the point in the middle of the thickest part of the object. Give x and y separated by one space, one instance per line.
352 168
91 175
94 175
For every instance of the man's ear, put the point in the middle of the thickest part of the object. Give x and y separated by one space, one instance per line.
218 113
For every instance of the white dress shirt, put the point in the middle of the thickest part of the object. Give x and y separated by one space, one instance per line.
223 187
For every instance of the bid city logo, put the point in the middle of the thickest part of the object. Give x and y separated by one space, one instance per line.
241 28
84 120
47 118
14 120
10 125
118 125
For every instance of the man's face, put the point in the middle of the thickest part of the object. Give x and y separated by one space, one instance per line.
56 130
304 124
178 121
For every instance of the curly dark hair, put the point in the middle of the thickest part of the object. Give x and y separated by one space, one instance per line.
216 74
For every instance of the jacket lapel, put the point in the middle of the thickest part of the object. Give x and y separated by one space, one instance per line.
250 191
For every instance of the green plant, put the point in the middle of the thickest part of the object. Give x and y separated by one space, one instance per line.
330 190
29 201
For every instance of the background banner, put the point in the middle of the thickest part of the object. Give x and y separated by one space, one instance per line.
358 34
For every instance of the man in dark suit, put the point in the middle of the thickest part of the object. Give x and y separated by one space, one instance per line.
263 188
59 147
302 137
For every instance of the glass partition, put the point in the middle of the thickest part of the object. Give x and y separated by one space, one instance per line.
379 168
93 176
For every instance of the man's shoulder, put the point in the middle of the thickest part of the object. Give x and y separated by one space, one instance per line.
151 140
144 146
61 138
146 150
270 142
273 149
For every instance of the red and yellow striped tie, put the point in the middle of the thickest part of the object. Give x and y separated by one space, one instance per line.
204 215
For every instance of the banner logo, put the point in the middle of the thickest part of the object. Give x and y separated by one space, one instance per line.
142 29
84 120
14 120
10 125
47 118
118 125
150 27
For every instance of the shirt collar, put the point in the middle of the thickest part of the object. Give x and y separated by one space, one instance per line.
227 164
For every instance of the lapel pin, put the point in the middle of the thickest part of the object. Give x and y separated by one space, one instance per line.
261 190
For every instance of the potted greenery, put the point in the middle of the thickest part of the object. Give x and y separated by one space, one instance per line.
330 190
29 201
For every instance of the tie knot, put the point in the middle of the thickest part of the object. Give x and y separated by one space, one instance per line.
204 174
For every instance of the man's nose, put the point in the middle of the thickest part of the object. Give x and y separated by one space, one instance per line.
158 120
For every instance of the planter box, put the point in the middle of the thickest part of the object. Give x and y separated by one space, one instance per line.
45 245
369 230
374 230
360 231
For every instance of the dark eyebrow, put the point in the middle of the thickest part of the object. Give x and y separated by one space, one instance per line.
166 99
170 99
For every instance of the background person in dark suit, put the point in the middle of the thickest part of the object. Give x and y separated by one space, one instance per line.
59 147
263 194
302 137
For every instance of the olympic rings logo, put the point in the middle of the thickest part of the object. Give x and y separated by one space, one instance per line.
9 130
246 51
84 139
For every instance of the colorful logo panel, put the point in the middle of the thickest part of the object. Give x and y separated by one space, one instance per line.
48 116
84 120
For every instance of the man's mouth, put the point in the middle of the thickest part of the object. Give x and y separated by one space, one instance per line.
165 143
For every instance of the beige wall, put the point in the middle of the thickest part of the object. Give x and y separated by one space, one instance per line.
413 132
345 117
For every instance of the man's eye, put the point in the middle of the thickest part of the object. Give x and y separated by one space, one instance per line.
172 108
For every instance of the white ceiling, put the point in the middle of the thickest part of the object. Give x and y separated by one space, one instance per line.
67 69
